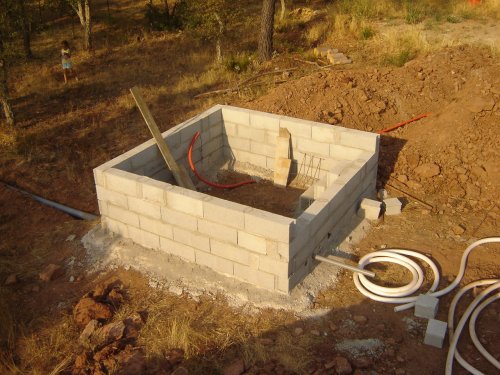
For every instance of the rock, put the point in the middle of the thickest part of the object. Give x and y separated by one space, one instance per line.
458 229
360 319
88 309
70 238
413 160
237 367
266 341
414 185
427 170
88 331
51 272
129 362
133 325
342 366
362 362
115 298
329 365
455 190
180 371
298 331
472 191
315 332
175 356
402 178
477 104
11 279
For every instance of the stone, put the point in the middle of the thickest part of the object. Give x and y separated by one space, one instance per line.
435 333
71 237
315 332
88 309
342 366
458 229
362 362
477 104
360 319
298 331
237 367
180 371
51 272
11 279
427 170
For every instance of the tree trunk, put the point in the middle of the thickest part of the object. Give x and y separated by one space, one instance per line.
26 30
87 27
4 90
283 10
266 30
218 44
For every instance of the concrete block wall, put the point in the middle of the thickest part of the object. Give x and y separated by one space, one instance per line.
250 136
261 248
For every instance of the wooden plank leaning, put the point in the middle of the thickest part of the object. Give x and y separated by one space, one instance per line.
180 173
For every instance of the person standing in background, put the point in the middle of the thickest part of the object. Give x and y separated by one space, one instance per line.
67 65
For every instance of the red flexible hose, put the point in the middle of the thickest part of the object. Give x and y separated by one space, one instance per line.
402 124
201 178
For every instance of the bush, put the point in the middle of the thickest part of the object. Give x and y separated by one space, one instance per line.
161 20
237 63
366 33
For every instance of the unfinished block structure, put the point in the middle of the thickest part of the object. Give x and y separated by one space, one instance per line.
138 198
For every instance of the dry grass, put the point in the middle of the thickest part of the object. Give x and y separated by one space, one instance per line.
488 8
397 48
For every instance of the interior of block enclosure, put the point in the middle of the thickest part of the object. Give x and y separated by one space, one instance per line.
230 134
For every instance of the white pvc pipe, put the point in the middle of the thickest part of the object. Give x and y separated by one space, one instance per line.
402 295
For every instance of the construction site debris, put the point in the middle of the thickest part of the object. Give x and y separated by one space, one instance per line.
282 158
426 306
369 209
435 333
392 206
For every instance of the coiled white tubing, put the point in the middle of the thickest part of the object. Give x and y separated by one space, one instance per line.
404 295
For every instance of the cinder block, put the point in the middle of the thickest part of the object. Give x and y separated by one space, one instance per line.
325 133
154 190
236 115
426 306
177 249
142 207
258 160
188 130
228 251
273 266
261 148
313 147
359 139
143 155
230 129
115 226
156 226
192 239
270 163
344 152
298 128
435 333
123 182
269 225
215 263
179 219
306 198
247 132
123 215
225 212
369 209
215 130
392 206
251 242
238 143
103 207
266 121
113 197
211 146
218 231
214 115
99 176
184 200
255 277
143 238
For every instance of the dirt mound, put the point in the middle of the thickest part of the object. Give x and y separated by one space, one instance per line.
450 157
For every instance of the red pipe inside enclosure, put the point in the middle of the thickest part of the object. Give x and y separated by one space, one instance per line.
201 178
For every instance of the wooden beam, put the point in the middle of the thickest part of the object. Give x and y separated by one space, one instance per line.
181 176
